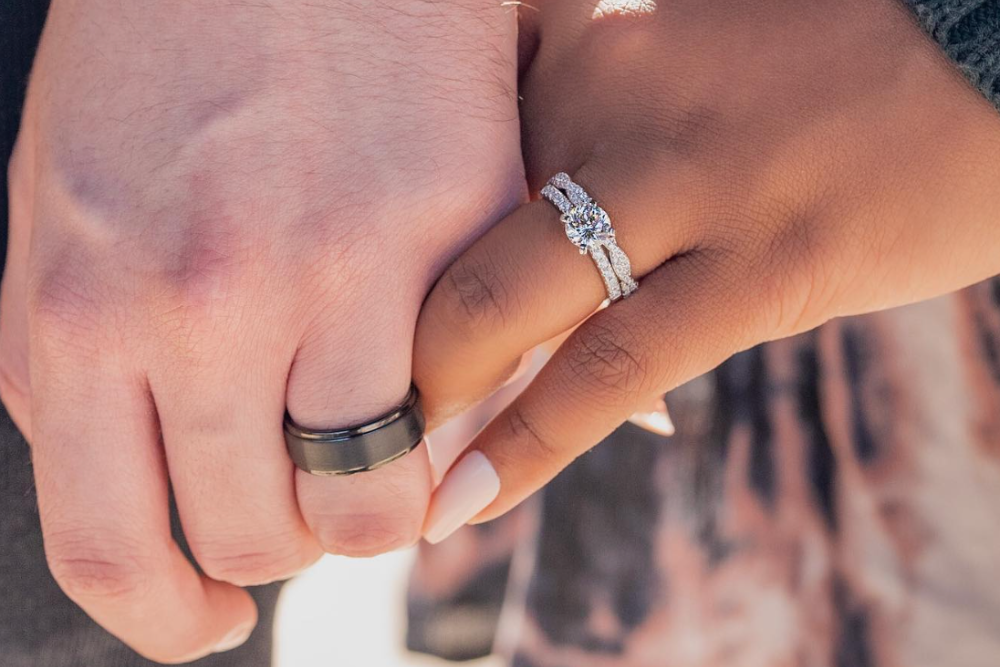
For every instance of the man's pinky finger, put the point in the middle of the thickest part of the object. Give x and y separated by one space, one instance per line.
687 317
103 501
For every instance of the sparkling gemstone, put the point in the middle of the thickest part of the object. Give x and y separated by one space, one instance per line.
588 225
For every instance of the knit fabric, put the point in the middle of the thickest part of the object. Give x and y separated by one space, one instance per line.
969 32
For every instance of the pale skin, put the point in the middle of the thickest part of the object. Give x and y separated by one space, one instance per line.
219 209
180 257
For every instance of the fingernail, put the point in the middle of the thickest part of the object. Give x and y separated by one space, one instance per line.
655 418
236 638
467 489
522 367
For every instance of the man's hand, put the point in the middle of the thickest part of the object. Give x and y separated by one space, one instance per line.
218 210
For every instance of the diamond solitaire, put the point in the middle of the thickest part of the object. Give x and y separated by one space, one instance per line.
587 226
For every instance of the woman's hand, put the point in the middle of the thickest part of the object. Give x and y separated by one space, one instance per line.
219 209
767 166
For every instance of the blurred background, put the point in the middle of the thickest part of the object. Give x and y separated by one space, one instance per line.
350 612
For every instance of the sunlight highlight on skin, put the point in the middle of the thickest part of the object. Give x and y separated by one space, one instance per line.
610 8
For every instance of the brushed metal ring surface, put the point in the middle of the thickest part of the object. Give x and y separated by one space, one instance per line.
360 448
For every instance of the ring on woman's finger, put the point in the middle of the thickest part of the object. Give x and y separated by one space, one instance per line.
589 227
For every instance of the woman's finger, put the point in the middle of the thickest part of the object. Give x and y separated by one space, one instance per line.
687 317
103 496
523 283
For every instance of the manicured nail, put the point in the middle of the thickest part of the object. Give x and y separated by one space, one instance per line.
525 364
467 490
236 638
655 419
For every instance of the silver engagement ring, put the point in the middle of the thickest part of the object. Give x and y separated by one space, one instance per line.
588 226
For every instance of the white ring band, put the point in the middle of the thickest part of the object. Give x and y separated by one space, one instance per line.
588 226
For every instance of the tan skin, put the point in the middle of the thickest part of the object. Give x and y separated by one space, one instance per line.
768 166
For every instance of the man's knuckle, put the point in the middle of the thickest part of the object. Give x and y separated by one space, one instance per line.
365 534
66 299
87 567
250 562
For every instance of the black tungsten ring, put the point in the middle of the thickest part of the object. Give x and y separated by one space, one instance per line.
360 448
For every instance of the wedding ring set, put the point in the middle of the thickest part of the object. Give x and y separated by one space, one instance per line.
589 227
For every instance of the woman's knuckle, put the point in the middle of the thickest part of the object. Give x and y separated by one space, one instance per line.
476 297
797 289
603 358
525 429
616 31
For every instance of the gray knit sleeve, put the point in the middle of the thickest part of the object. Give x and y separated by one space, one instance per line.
969 31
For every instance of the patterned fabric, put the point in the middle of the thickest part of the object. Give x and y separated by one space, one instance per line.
829 500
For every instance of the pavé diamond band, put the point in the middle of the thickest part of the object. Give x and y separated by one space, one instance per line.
588 226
